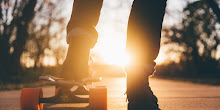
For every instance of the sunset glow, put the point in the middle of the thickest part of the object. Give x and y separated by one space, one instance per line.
112 33
120 58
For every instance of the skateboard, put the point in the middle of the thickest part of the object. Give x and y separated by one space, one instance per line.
32 98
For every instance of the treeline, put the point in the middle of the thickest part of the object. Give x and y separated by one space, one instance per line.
27 29
198 36
32 29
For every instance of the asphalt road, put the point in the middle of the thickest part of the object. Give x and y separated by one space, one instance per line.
172 95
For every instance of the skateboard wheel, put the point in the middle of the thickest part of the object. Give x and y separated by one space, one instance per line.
29 99
98 98
56 90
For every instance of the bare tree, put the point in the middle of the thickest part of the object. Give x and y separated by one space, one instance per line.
41 30
14 19
26 27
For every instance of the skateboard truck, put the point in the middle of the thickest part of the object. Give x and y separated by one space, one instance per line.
32 98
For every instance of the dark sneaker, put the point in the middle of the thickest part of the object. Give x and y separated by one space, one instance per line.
139 93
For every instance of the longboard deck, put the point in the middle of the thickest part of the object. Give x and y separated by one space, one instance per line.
60 81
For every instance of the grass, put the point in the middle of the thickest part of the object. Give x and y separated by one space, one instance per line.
209 81
203 80
28 78
20 86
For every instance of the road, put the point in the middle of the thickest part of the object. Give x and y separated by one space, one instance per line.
172 95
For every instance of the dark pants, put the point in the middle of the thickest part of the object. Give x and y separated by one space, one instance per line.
143 42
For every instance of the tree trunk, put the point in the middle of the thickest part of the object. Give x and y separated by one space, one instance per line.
21 36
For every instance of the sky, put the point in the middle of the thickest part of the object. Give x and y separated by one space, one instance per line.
112 29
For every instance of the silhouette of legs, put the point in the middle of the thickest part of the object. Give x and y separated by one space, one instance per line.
81 37
143 43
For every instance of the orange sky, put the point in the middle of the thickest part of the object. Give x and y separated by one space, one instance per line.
112 29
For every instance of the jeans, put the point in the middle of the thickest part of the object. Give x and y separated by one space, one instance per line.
143 40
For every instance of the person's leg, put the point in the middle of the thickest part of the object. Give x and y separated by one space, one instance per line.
81 37
143 43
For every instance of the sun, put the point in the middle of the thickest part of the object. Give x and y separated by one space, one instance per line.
112 51
118 58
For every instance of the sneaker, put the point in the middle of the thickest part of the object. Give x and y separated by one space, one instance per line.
139 93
